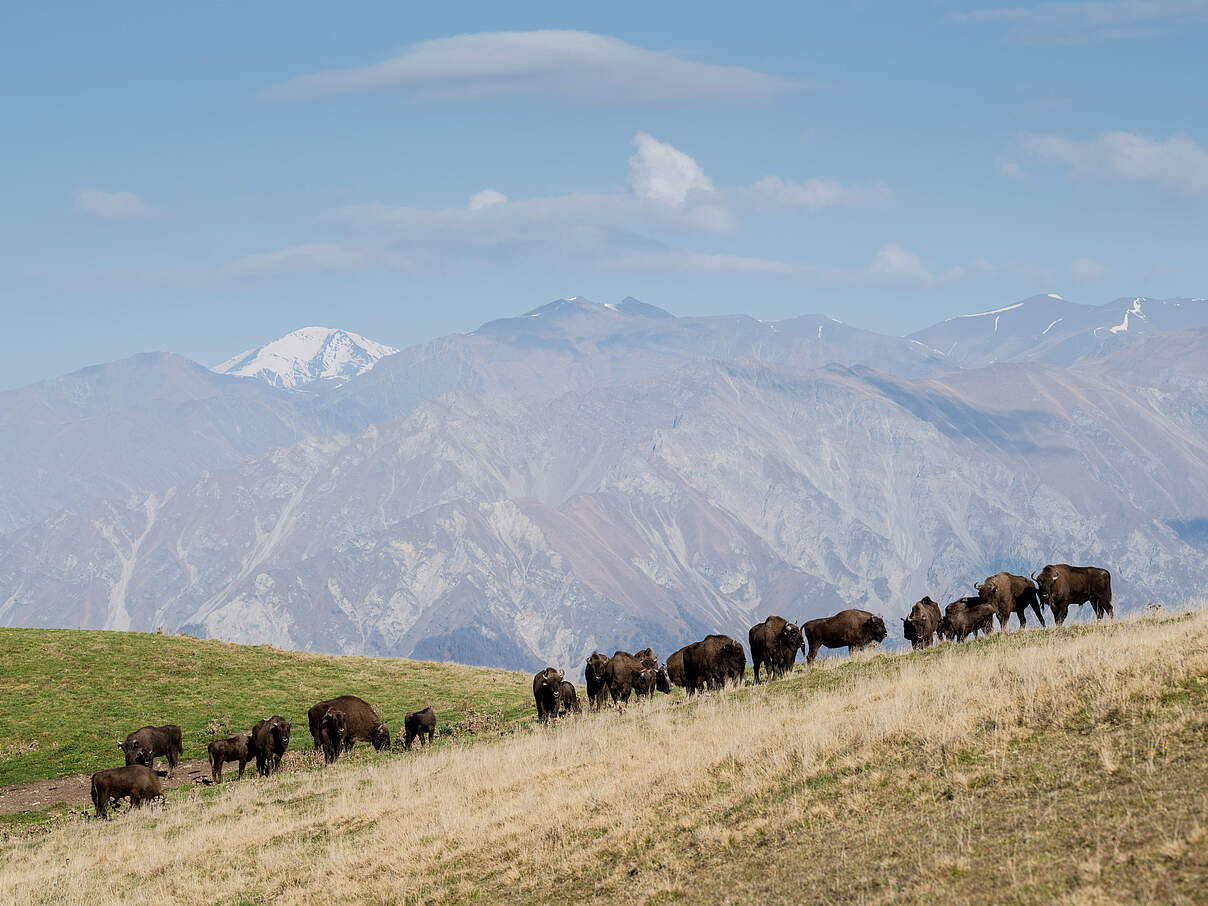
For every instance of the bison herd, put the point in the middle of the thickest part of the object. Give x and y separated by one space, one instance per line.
336 726
718 659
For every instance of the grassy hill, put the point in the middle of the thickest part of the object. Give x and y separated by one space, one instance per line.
1056 766
66 694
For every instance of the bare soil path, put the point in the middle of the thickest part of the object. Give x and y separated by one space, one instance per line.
75 790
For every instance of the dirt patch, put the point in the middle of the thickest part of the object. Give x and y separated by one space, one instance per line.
75 790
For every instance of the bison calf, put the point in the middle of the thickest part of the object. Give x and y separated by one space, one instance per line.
421 724
333 733
569 700
233 748
136 781
961 622
270 739
146 744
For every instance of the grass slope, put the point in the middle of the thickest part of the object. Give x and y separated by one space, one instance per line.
66 694
1057 766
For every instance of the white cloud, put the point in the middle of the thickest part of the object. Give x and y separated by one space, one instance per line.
684 262
113 205
1178 166
661 172
485 199
772 194
310 258
895 264
1087 270
1095 20
570 65
1010 169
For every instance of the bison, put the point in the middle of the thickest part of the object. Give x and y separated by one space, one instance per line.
850 629
363 723
593 675
569 700
1060 585
146 744
421 724
951 609
233 748
626 673
961 621
333 734
138 782
547 692
774 644
1008 594
712 662
923 623
270 739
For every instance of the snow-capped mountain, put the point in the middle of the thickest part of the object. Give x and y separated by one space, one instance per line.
309 355
1048 328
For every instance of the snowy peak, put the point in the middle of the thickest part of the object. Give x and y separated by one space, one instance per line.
307 356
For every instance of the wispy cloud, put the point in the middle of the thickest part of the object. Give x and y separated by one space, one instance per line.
1087 270
684 262
113 205
1177 167
772 194
570 65
1094 20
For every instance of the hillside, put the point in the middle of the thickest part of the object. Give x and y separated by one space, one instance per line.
1031 767
65 694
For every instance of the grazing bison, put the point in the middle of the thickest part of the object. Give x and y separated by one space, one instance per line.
593 675
233 748
363 723
568 702
270 739
850 629
960 622
923 623
144 745
712 662
625 673
1060 585
547 692
136 781
333 734
421 724
1008 594
774 644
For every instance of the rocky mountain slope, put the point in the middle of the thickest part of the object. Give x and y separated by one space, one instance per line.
308 356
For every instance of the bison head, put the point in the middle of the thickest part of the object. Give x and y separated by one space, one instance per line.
1045 582
135 752
595 665
662 682
380 737
874 629
791 638
643 681
909 631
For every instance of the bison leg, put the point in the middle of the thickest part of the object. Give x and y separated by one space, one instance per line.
813 652
242 765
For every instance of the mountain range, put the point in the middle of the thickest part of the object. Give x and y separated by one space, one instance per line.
605 475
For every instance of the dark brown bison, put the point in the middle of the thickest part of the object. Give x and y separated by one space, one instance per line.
137 782
270 739
626 673
363 723
547 693
568 702
961 622
233 748
850 629
333 734
593 676
774 644
923 623
712 662
675 667
421 724
1008 594
950 611
144 745
1061 585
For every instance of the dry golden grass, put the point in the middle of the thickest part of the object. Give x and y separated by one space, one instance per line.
954 775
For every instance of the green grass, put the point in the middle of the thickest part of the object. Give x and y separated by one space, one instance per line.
66 695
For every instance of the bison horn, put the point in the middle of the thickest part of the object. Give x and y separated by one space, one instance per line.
1034 579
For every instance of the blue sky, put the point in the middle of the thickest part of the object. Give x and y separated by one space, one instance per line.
203 180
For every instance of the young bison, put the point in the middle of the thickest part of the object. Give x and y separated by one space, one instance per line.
851 629
233 748
421 724
146 744
270 739
363 723
568 702
333 734
136 781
